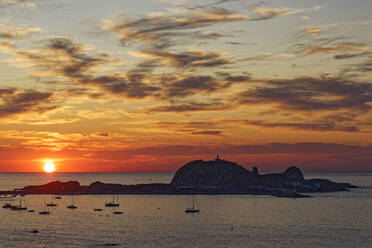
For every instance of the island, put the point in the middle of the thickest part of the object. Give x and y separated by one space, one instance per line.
205 177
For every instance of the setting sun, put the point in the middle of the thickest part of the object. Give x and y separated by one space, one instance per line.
49 167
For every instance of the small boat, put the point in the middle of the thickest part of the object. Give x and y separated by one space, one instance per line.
31 211
192 209
44 212
51 204
98 209
58 197
113 203
72 206
117 212
7 205
19 207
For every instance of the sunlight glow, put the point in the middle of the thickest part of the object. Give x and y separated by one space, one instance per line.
49 167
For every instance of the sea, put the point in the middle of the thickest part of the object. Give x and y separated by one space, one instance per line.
329 220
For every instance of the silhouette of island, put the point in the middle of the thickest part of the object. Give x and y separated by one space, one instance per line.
205 177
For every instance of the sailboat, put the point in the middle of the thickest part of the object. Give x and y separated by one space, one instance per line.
19 207
192 209
51 204
44 212
72 206
8 204
113 203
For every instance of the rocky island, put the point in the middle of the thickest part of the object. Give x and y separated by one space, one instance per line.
205 177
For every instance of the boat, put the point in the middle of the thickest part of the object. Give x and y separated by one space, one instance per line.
58 197
117 212
19 207
192 209
98 209
44 212
31 211
7 205
113 203
51 204
72 206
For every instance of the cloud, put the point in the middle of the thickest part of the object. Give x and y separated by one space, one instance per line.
208 132
324 126
310 94
351 55
14 101
60 57
21 3
337 48
158 30
315 31
194 85
189 59
189 106
8 32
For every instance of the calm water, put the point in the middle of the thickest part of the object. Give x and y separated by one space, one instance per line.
327 220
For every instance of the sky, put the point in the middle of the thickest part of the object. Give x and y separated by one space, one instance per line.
149 85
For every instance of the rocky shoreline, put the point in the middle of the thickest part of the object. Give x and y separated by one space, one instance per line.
217 177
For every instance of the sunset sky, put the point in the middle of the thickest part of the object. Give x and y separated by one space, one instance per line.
148 85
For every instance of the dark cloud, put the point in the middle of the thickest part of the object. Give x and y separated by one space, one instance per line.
351 55
14 101
128 86
310 94
189 59
190 106
325 126
62 57
194 85
158 31
208 132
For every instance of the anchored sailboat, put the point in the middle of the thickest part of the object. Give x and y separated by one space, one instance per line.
51 204
192 209
19 207
44 212
113 203
72 206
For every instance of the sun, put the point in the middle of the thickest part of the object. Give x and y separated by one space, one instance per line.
49 167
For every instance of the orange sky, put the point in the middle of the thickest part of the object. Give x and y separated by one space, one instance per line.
151 85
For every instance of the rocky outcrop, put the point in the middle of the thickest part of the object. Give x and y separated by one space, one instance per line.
212 174
225 176
205 177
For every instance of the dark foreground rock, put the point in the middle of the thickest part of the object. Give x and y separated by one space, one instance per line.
206 177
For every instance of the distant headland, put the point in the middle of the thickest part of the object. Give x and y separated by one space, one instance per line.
205 177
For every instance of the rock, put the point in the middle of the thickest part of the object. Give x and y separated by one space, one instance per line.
206 177
212 174
294 173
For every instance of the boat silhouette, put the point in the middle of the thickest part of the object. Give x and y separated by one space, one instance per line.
72 206
44 212
19 207
192 209
51 204
113 203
